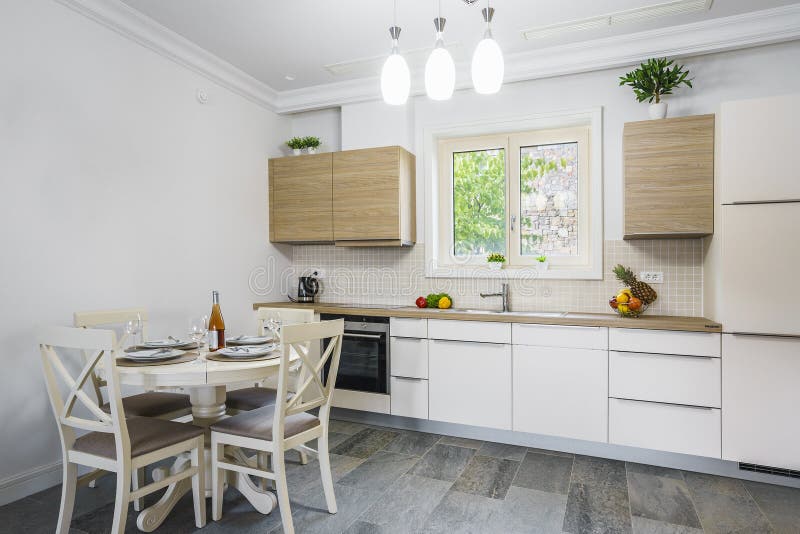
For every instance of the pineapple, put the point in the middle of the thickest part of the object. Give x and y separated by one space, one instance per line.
640 290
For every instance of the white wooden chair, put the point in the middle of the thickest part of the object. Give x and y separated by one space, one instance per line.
113 443
287 424
265 393
158 404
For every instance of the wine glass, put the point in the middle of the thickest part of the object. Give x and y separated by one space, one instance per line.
274 324
133 327
198 331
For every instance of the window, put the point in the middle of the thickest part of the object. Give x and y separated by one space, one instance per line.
525 195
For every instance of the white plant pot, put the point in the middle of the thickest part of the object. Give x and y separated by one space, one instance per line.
297 151
312 150
542 265
495 265
658 111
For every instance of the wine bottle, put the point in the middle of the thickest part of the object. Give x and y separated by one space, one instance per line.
216 325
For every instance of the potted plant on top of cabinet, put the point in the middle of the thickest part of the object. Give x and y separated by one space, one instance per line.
311 143
296 144
653 79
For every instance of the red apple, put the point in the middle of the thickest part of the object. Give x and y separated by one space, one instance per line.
422 302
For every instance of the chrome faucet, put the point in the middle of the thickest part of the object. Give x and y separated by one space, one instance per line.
503 293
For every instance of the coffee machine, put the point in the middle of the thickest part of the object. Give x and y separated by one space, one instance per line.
307 288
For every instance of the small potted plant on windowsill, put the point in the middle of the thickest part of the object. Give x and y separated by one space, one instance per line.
296 144
653 79
541 263
496 261
311 143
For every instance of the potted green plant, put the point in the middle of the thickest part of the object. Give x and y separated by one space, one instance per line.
653 79
311 143
541 263
296 144
495 261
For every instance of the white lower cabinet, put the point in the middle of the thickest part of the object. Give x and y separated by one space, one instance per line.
561 392
409 357
470 383
409 397
760 400
665 427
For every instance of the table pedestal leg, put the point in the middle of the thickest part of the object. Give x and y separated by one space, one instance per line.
262 499
208 406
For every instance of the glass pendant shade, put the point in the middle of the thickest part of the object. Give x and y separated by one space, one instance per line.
488 67
440 74
395 80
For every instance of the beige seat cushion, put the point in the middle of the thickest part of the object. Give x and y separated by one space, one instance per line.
258 424
146 435
152 404
251 398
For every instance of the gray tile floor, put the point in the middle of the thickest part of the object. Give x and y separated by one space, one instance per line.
390 480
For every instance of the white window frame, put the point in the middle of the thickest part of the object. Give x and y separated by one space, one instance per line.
586 126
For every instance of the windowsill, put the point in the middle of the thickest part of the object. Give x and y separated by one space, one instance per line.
512 273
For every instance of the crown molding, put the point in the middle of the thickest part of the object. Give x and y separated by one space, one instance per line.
757 28
145 31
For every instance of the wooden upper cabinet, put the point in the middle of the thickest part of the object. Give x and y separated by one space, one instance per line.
300 194
374 197
669 177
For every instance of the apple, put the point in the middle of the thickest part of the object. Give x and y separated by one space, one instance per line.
422 302
613 302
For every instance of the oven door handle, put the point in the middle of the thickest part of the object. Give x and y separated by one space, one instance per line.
363 336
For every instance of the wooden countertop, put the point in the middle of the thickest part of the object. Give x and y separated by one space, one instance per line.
651 322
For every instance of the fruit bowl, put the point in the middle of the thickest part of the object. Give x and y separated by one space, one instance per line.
632 313
627 305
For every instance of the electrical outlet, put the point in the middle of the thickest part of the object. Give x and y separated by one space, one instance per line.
652 277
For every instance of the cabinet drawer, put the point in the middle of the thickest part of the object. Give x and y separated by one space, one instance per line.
483 332
405 327
409 397
573 337
409 357
664 342
692 380
665 427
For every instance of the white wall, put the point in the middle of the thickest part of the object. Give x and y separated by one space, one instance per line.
746 73
118 189
324 123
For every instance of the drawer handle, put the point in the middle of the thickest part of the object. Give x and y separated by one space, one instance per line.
631 353
759 334
409 378
529 325
668 404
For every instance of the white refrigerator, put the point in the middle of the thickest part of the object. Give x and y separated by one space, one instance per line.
759 266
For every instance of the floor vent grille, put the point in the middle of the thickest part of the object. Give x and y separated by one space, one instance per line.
755 468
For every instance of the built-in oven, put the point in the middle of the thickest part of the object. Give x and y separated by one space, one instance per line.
364 363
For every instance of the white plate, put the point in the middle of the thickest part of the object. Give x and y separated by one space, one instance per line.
246 352
153 355
248 340
164 343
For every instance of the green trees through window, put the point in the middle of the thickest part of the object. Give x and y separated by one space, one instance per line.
479 202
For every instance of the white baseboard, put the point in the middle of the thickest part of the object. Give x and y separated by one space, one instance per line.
28 482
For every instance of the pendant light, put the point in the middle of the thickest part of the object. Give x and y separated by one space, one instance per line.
395 76
440 70
488 66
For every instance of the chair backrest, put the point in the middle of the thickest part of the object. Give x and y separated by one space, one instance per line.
92 319
313 391
102 345
287 316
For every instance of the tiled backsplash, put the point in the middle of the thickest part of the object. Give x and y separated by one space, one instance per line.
397 276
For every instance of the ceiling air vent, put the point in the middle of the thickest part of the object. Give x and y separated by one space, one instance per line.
779 471
641 14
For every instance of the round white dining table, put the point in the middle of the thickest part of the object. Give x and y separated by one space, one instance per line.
206 381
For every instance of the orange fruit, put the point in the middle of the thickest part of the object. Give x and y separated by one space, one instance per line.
635 304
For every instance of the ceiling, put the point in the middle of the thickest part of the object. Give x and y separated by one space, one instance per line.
272 40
